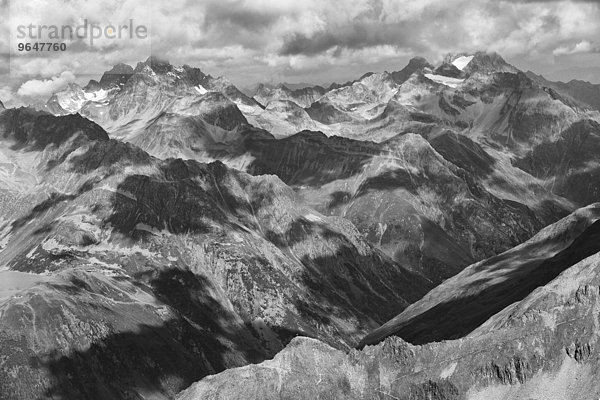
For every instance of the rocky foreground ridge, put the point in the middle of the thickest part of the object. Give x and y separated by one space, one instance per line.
544 346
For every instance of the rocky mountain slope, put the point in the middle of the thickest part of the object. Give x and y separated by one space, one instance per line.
323 213
487 99
128 100
134 104
464 302
486 126
585 92
541 347
185 268
568 164
501 129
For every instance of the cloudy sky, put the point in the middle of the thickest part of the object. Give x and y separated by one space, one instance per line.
316 41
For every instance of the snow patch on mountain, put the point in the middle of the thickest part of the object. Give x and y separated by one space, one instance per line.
246 109
313 218
462 62
201 89
95 96
445 80
71 100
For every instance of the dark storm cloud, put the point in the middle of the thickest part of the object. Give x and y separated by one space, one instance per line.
233 22
377 26
356 35
234 15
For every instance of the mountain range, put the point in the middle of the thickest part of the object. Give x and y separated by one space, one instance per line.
425 233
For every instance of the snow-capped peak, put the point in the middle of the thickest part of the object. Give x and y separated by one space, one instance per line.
462 62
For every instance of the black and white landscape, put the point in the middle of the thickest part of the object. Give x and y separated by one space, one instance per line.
427 232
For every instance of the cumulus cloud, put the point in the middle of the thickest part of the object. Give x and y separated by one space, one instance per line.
6 95
45 88
584 46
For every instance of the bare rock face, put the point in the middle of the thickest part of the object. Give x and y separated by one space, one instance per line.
487 63
125 276
540 347
302 97
327 113
116 76
569 163
34 130
415 64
